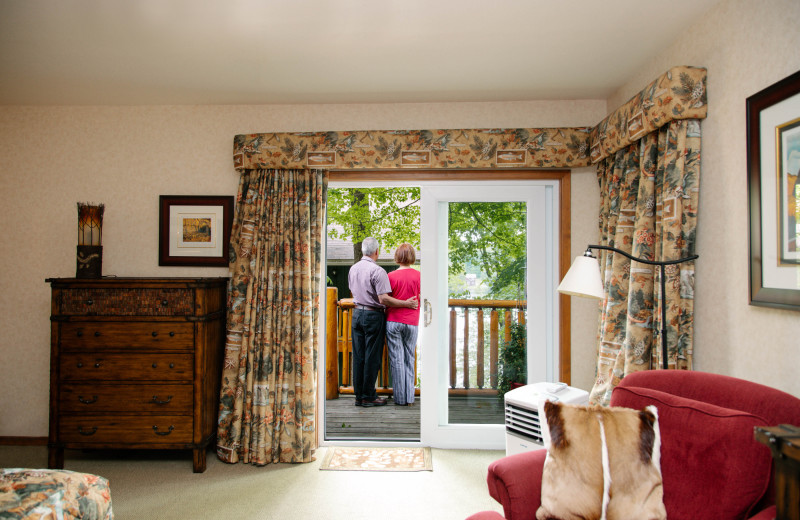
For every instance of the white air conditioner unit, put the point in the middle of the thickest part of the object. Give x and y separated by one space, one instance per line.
523 427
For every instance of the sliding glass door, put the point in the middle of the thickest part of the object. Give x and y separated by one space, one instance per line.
473 236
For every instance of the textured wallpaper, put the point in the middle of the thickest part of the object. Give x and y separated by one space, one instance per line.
125 157
746 47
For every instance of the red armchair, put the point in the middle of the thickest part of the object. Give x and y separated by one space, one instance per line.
711 465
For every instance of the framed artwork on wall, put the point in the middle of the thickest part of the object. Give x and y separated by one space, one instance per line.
194 230
773 185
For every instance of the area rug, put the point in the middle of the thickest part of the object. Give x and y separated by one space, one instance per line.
377 459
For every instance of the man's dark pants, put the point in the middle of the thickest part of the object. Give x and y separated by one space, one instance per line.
369 333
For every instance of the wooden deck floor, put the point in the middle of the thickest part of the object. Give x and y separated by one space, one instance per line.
344 420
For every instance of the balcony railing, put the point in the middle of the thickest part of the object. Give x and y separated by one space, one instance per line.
468 350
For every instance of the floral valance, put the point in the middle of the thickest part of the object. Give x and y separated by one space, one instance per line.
483 148
678 94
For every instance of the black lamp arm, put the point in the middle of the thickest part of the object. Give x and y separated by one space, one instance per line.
642 260
661 264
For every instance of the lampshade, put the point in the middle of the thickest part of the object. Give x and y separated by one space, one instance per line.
583 279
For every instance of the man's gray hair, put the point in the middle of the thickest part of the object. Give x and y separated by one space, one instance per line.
368 246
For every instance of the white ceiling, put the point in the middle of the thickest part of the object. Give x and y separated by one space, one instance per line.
142 52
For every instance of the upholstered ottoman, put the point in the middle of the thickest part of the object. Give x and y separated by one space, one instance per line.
34 494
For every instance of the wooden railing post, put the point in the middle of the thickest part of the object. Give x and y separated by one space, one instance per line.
466 348
384 377
452 348
331 345
479 371
493 357
345 343
507 325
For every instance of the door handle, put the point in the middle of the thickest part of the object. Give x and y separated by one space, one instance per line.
428 312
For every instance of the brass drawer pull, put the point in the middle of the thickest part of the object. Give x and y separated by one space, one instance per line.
87 401
155 365
164 303
97 365
80 365
80 333
172 365
154 333
156 400
155 429
171 334
87 433
97 334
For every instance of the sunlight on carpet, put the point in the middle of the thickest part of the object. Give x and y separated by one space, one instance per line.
377 459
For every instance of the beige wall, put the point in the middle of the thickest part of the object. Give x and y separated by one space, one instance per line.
746 47
51 158
125 157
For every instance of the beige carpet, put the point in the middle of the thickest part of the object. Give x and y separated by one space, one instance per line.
377 459
160 485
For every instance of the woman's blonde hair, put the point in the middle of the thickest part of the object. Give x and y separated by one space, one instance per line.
405 254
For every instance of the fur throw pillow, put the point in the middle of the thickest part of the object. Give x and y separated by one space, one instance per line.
602 464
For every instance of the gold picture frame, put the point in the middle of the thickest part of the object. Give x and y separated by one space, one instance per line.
773 154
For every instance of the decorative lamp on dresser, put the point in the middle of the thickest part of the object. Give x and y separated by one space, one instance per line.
135 363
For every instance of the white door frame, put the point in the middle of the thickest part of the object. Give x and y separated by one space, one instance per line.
490 436
542 279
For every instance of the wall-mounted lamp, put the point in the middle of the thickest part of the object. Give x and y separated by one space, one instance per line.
90 238
583 279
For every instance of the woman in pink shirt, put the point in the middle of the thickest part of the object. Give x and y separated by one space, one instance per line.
401 325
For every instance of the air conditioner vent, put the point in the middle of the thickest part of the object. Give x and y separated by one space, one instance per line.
523 422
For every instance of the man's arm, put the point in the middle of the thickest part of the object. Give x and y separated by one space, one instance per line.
390 301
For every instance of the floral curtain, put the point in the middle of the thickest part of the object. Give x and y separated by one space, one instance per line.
649 196
268 393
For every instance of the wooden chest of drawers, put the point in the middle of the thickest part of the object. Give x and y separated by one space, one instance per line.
135 363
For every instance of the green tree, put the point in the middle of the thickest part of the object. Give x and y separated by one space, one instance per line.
391 215
490 235
512 360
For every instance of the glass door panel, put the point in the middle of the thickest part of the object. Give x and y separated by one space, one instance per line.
486 253
490 254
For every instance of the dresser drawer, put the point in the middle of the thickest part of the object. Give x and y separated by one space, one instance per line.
126 367
147 429
149 398
100 301
113 335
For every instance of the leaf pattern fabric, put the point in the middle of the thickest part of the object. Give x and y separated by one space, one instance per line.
678 94
649 198
48 494
268 391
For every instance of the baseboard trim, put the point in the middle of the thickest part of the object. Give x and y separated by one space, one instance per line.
23 441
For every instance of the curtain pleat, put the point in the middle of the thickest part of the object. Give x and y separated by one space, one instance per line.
268 391
649 197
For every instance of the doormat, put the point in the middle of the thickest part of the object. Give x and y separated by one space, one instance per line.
377 459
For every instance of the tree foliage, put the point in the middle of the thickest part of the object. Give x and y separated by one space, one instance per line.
512 366
490 235
390 215
493 236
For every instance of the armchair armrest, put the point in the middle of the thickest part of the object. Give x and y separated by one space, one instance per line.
515 481
767 514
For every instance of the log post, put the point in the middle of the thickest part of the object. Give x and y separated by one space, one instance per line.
331 345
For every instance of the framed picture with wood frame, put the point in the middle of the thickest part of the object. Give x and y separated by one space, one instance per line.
194 230
773 185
